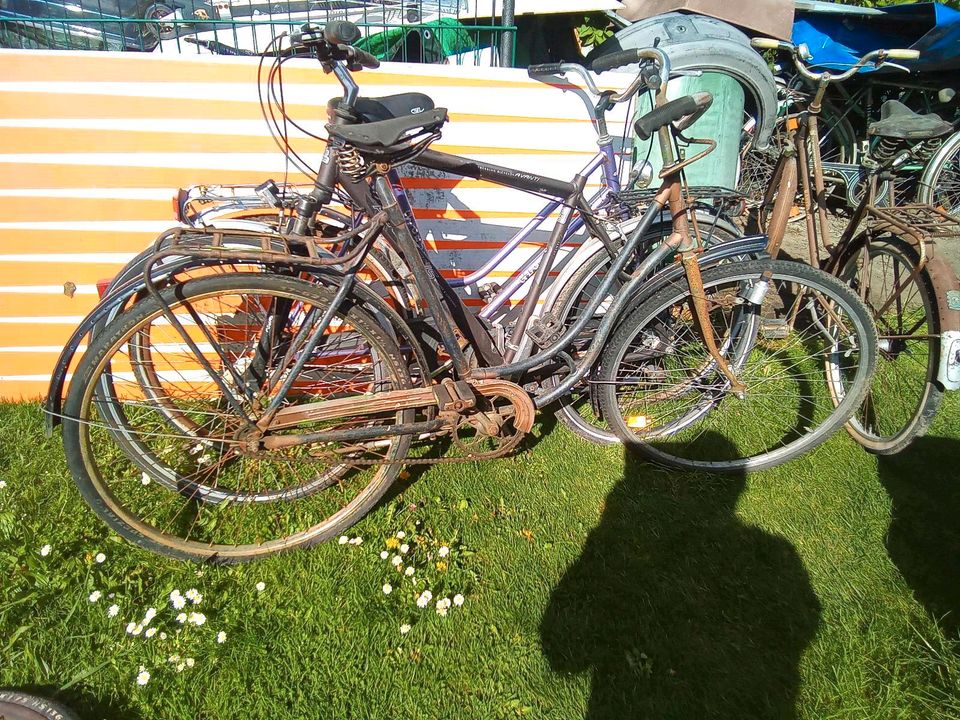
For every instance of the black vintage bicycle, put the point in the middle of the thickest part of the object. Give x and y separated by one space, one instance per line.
234 415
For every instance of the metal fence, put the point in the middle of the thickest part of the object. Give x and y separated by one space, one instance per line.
462 32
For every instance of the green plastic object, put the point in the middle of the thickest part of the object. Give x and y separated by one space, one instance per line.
723 122
438 39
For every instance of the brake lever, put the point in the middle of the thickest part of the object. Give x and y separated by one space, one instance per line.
898 66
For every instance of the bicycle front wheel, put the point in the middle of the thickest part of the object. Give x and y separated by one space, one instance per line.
579 411
161 438
904 396
805 352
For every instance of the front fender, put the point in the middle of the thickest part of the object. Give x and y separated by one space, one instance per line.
696 42
638 290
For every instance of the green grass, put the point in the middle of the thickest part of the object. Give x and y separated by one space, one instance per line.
595 587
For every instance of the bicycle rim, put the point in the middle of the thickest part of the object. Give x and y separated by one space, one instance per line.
207 492
580 411
903 397
663 394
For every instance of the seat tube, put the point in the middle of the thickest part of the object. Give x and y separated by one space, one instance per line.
426 282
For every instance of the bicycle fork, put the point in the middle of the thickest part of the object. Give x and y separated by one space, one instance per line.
691 267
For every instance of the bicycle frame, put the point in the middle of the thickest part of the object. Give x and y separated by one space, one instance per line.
803 143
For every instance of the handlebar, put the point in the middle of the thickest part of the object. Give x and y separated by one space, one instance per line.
801 54
654 71
333 42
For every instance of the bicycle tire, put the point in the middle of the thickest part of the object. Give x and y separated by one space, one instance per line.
904 396
678 405
153 468
940 183
578 411
17 705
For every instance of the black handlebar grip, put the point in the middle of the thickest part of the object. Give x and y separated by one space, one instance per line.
544 69
341 32
665 114
615 60
363 58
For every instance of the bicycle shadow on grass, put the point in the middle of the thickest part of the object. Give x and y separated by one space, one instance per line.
923 539
680 609
412 472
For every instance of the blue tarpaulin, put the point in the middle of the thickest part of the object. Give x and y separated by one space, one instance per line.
837 40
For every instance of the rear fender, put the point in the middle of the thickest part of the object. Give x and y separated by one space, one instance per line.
122 292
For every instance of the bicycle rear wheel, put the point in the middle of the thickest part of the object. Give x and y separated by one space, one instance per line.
168 457
662 392
904 396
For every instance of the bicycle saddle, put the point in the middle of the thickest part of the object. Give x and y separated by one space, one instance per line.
384 138
899 121
370 110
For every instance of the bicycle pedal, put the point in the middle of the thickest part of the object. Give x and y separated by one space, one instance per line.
774 328
454 396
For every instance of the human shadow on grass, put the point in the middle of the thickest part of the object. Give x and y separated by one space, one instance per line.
923 539
678 608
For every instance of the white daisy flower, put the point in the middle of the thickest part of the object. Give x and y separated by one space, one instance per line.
180 667
396 560
150 632
401 534
144 479
45 550
194 596
143 677
190 662
404 629
343 540
100 558
197 618
163 636
113 610
173 659
221 637
261 586
441 610
356 541
178 601
137 629
182 618
404 549
3 484
443 603
443 551
95 596
130 627
384 555
424 599
149 615
458 599
409 571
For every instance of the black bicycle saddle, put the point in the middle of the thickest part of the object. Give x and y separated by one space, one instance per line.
899 121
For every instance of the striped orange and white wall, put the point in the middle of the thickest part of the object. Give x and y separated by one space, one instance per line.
93 146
